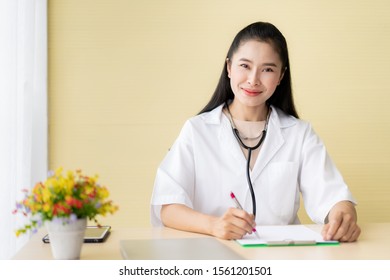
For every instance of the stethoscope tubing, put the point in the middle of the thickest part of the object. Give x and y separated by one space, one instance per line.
250 149
248 176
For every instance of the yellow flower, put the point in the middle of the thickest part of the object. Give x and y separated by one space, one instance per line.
103 192
46 195
46 207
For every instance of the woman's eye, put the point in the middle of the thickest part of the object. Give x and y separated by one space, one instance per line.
244 66
268 70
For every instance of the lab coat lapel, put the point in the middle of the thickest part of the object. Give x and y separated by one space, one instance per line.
272 144
230 145
228 142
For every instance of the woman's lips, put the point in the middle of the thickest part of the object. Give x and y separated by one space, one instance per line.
251 92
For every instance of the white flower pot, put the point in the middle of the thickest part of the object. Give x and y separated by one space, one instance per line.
66 239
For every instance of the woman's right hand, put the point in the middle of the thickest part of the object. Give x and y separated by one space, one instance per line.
233 224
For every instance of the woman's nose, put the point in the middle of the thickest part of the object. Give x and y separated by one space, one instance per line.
254 78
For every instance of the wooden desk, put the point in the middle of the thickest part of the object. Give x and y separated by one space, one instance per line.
373 244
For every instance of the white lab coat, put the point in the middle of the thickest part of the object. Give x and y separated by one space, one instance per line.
206 163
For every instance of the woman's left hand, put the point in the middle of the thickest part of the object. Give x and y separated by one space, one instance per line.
342 224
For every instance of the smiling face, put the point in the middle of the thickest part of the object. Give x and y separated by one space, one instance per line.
255 70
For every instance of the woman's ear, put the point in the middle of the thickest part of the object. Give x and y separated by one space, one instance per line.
228 66
282 75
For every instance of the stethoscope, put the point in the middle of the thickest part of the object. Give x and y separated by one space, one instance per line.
250 149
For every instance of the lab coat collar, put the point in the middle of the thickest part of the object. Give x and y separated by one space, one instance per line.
278 117
272 143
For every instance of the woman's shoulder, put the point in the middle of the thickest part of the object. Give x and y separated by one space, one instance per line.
285 120
201 122
212 117
295 126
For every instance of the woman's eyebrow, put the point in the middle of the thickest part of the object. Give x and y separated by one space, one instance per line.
263 64
270 64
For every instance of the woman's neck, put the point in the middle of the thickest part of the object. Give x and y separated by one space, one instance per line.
248 113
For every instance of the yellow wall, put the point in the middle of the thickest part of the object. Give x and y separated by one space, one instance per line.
124 76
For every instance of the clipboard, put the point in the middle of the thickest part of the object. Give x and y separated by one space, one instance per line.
286 235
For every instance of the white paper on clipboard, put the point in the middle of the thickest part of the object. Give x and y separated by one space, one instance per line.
284 235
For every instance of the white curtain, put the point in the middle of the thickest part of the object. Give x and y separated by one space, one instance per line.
23 110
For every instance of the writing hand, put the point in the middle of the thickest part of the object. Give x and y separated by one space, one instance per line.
233 224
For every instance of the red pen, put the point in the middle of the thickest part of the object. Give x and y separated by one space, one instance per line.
238 205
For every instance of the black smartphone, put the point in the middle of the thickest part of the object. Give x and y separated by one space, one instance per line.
93 234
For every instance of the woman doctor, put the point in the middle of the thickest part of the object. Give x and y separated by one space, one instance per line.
249 140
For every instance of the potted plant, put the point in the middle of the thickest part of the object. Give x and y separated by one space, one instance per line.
64 203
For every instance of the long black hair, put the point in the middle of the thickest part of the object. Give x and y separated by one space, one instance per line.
263 32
